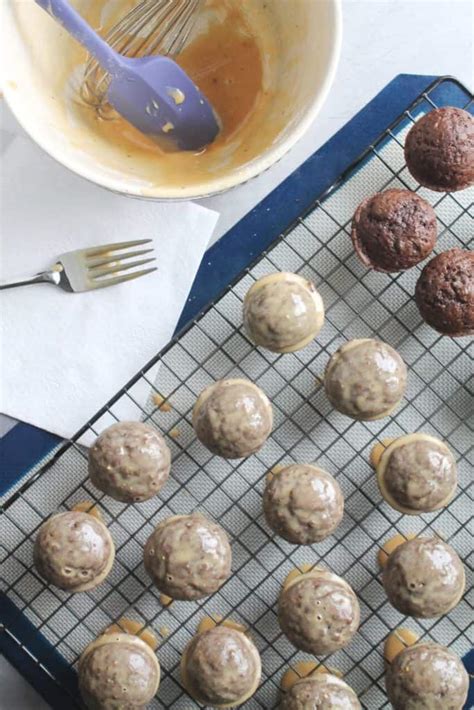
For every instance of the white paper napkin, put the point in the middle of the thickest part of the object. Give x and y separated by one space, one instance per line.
62 356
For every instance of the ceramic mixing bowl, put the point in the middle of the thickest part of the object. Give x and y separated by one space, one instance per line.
299 68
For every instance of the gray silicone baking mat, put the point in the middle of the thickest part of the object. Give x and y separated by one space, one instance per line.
359 303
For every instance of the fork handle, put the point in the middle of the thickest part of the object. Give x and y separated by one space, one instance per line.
48 277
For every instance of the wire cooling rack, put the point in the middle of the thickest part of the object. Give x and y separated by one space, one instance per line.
359 303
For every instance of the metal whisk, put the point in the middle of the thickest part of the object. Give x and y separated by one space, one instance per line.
152 27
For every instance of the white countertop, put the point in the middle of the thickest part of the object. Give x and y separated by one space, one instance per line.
382 38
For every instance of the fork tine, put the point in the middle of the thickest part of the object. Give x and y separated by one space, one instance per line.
113 258
102 283
106 248
105 270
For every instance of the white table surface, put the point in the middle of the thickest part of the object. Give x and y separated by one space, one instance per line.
382 38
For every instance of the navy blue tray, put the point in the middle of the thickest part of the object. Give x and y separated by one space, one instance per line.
25 445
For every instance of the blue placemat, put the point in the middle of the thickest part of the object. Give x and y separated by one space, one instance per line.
23 446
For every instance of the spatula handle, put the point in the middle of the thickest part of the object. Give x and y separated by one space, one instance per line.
72 21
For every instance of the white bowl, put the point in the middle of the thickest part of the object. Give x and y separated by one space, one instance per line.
36 56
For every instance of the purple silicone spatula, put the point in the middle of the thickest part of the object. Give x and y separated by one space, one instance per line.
152 93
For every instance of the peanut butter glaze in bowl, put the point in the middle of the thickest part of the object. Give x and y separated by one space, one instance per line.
273 68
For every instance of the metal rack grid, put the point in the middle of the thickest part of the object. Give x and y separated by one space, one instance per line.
359 303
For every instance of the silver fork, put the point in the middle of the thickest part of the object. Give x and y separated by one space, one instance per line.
96 267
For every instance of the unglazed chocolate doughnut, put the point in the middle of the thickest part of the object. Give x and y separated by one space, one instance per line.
283 312
303 504
444 293
318 612
427 676
394 230
365 379
129 461
118 672
233 418
424 577
221 667
417 474
320 691
74 551
439 149
188 557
